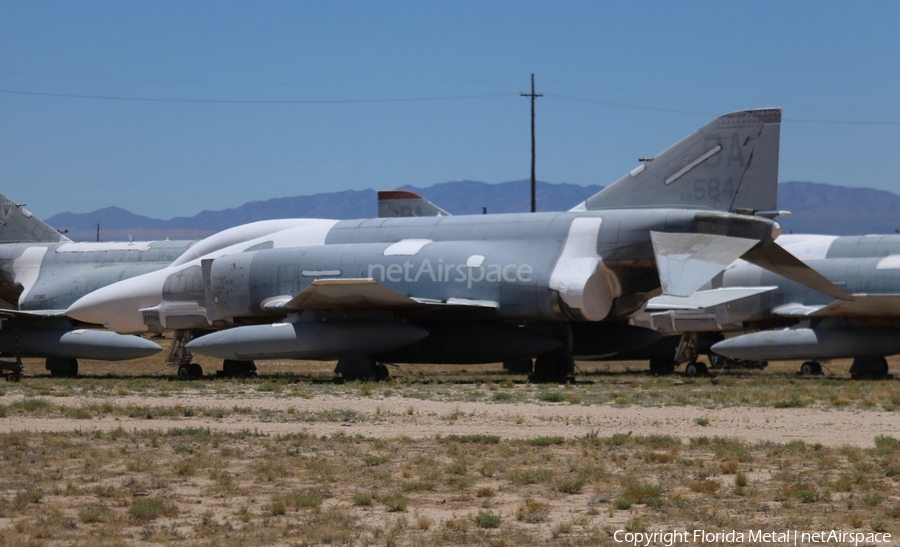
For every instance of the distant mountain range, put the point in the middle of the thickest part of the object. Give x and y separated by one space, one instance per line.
816 207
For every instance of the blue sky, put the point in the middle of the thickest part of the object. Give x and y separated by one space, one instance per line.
622 80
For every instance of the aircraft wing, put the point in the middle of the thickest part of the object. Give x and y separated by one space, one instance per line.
862 305
34 313
704 299
687 261
360 293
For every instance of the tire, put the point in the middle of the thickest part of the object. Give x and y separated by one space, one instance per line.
810 368
695 368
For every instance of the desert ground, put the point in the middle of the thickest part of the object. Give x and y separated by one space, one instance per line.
464 455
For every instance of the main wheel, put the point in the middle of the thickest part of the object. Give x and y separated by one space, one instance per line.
695 368
869 367
810 368
380 372
554 367
62 367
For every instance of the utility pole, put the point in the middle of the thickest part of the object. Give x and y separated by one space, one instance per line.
532 96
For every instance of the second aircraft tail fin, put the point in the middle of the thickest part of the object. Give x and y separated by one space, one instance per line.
730 164
402 203
18 225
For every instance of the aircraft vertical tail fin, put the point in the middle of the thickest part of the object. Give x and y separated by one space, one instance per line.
730 164
18 225
402 203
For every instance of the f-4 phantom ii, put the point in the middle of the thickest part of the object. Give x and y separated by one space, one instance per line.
466 289
42 272
791 321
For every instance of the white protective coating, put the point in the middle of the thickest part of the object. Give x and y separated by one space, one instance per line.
238 234
891 262
577 275
406 247
709 153
90 246
806 246
475 261
26 269
320 273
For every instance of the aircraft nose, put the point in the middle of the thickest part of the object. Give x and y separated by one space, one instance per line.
116 307
90 308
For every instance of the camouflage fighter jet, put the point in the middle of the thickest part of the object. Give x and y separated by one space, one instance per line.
462 289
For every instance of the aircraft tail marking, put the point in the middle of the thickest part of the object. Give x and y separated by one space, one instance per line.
18 225
402 203
730 164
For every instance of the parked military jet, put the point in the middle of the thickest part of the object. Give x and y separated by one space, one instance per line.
42 272
452 289
807 324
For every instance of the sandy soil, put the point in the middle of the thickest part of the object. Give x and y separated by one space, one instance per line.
397 416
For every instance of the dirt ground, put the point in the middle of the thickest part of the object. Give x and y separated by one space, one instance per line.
469 456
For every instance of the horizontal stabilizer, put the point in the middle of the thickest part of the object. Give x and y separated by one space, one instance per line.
704 299
774 258
862 305
687 261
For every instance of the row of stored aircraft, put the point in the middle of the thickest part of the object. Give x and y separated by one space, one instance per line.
685 235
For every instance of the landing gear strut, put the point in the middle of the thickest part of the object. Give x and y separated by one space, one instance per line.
13 369
558 367
360 367
687 352
180 358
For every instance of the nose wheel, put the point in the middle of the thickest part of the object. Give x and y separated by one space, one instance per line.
695 368
189 371
811 368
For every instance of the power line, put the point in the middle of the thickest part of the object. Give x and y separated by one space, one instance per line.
424 99
215 82
252 101
697 113
627 105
